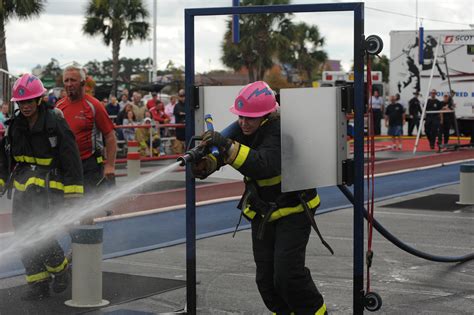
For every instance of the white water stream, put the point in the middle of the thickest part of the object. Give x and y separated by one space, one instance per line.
44 228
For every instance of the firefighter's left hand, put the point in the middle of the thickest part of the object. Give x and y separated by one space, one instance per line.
204 167
214 138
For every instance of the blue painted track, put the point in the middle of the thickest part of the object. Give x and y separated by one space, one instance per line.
142 233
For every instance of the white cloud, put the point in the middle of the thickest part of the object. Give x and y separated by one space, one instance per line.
57 32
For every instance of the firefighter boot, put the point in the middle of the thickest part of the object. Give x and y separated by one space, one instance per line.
37 291
61 280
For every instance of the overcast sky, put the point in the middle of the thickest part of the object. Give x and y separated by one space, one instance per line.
57 32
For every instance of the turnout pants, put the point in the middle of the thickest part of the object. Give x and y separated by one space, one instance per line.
283 281
39 257
432 129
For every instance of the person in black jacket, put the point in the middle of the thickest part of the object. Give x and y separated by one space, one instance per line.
433 119
414 113
40 163
281 222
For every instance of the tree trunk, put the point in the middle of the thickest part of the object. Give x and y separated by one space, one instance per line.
309 73
251 73
115 65
4 78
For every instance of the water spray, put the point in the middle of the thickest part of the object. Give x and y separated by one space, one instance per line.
40 229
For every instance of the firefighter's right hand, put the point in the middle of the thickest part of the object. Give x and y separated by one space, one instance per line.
204 167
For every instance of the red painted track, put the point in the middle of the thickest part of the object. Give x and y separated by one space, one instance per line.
130 204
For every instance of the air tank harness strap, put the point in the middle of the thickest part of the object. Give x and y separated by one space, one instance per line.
311 219
264 208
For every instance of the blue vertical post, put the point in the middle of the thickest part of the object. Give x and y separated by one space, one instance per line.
190 181
421 42
358 272
235 24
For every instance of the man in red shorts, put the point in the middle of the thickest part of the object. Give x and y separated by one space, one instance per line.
89 121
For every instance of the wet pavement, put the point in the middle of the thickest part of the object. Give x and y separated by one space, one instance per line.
407 284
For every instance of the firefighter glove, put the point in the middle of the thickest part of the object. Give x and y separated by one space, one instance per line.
204 167
214 138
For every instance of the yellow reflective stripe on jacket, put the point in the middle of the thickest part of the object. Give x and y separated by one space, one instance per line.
78 189
322 310
68 189
269 181
30 159
249 213
37 277
59 268
241 156
73 189
283 212
31 181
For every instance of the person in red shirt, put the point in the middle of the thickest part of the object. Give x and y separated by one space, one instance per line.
89 121
151 102
158 113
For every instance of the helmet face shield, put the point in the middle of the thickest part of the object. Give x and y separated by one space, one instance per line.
255 100
27 87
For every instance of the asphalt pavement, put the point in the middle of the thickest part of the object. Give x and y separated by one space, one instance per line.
407 284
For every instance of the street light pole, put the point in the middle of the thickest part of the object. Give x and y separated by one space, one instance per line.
154 41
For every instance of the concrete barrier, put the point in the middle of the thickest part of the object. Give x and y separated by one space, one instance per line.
133 165
466 186
87 267
132 146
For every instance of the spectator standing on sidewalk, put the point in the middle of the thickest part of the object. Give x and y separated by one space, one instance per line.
377 109
179 113
433 120
414 114
394 120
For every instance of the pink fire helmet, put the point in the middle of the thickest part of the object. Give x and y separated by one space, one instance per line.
255 100
27 87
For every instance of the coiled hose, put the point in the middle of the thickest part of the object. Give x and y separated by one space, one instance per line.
404 246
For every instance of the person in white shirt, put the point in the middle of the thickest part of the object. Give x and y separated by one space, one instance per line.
377 109
169 109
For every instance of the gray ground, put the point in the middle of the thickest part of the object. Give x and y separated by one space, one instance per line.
407 284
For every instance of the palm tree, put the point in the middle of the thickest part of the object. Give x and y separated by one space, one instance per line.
259 40
116 20
303 49
10 9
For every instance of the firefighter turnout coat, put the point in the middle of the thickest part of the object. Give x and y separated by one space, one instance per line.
259 160
45 156
40 166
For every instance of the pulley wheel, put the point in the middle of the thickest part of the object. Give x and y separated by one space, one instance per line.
372 302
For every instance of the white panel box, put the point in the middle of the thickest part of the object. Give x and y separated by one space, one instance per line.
216 100
313 141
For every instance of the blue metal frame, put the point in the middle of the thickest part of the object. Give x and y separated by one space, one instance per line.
358 9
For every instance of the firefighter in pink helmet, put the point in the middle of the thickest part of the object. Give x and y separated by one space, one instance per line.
280 221
39 166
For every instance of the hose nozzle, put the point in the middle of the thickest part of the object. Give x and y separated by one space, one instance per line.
192 155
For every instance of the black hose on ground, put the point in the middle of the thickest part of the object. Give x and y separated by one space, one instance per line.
404 246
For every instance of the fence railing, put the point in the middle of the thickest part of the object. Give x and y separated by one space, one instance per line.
149 126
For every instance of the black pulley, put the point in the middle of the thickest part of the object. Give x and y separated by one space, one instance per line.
372 302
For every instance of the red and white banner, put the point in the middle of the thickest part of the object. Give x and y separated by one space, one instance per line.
458 39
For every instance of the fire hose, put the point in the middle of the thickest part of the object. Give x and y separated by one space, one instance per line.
404 246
